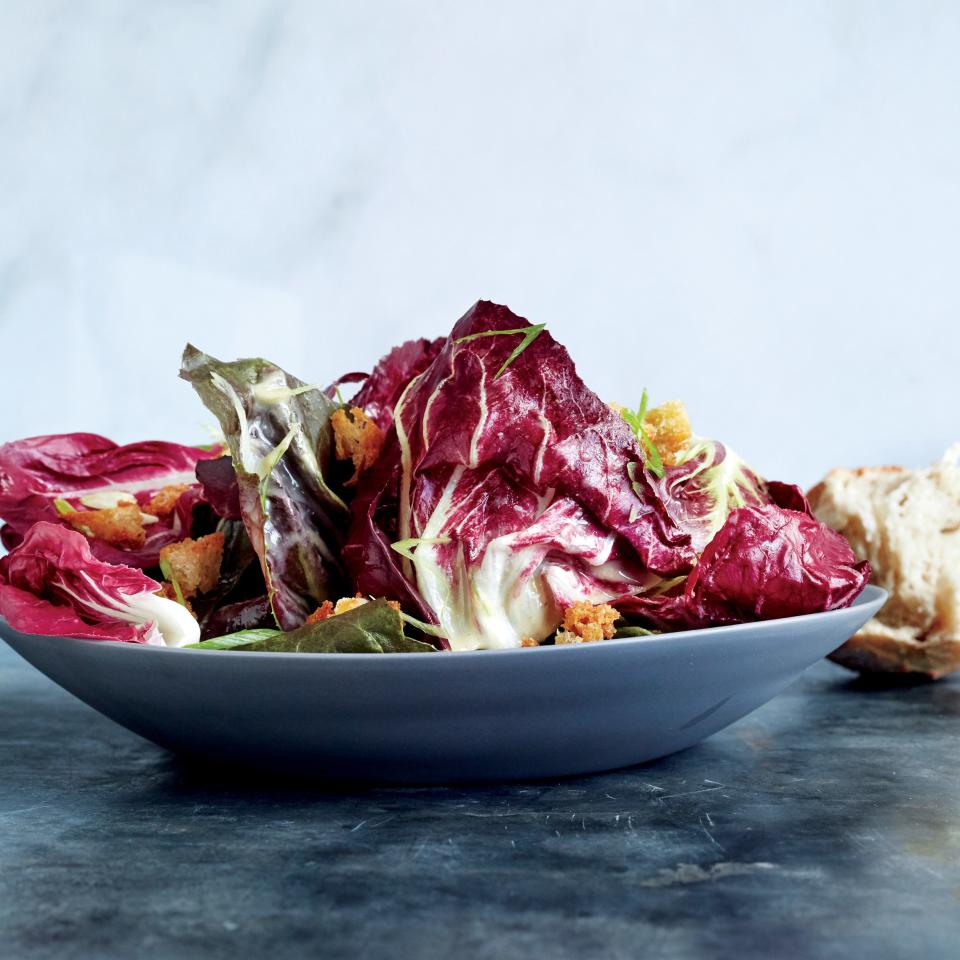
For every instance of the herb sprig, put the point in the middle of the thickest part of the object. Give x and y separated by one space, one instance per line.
405 547
635 421
529 335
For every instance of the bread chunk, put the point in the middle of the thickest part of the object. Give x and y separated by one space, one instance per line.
194 564
586 622
668 427
907 524
358 439
120 526
163 502
323 612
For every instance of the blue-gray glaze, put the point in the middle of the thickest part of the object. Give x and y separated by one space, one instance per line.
440 718
823 825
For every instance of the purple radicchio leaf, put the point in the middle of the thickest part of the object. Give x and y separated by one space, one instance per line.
84 470
249 614
503 492
709 482
766 561
381 390
52 584
218 482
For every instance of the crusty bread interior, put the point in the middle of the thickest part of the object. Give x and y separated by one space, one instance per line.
907 524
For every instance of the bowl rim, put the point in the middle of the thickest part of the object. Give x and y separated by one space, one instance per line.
870 595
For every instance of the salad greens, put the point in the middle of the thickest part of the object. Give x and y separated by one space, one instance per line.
281 442
635 419
241 638
52 584
501 494
530 333
708 483
374 627
49 478
516 489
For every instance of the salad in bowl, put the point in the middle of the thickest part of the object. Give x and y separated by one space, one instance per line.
472 494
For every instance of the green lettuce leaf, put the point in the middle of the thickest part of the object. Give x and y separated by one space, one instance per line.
374 627
281 442
231 641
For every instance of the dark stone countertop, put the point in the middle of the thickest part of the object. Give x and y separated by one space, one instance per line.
824 825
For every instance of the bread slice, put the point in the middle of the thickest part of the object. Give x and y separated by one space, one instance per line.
907 524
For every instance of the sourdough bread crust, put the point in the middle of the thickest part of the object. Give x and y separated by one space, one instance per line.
874 649
907 524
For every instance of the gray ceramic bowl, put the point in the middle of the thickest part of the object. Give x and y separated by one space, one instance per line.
489 715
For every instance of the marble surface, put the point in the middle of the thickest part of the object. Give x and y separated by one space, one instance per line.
825 825
749 205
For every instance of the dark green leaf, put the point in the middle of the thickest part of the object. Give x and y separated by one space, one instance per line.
242 638
374 627
281 441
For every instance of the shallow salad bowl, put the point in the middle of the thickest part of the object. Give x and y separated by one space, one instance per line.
488 715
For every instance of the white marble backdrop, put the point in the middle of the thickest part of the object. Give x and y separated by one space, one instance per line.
751 206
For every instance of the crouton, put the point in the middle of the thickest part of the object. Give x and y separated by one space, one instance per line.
357 438
668 427
328 609
193 564
163 502
323 612
349 603
588 621
120 526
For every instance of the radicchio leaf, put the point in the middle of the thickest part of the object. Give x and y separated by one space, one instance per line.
765 562
249 614
381 390
53 585
71 467
9 537
218 482
509 477
280 438
705 486
355 376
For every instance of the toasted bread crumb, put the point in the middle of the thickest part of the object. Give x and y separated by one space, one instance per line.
528 642
589 621
328 609
349 603
357 438
120 526
195 564
163 502
668 427
323 612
